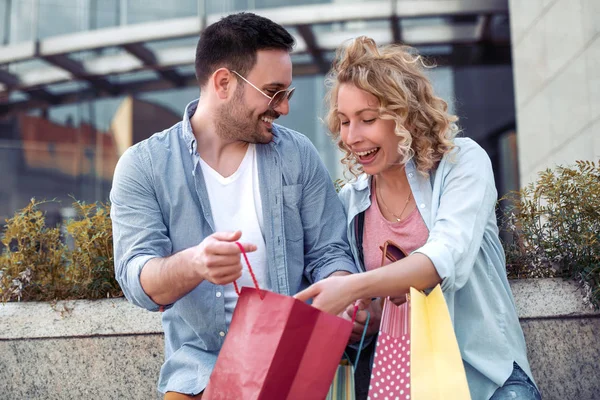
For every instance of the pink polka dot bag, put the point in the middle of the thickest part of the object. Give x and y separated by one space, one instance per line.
416 354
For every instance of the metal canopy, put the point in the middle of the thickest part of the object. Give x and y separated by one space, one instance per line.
452 32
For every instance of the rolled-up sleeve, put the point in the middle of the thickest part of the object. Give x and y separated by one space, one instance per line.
466 206
326 248
139 233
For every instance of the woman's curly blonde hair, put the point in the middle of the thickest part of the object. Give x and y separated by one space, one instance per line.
393 74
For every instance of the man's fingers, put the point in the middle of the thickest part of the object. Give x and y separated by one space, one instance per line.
345 316
358 326
357 332
224 275
350 310
217 261
363 304
223 247
227 236
248 247
361 317
227 279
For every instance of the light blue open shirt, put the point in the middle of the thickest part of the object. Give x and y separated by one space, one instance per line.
457 203
160 206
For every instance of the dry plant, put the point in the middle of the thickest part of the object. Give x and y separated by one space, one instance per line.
554 227
36 264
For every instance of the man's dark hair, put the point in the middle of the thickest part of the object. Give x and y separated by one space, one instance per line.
234 41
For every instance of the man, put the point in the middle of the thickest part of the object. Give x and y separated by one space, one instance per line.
226 173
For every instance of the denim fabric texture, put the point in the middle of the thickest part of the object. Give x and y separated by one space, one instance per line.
159 206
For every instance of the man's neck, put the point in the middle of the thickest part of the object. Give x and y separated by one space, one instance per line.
221 155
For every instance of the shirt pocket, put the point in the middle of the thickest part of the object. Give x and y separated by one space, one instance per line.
292 220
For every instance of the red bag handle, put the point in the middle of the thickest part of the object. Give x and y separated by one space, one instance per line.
237 290
355 311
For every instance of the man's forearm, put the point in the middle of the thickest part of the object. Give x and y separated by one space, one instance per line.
166 280
216 259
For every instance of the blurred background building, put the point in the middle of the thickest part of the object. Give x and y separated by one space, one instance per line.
82 80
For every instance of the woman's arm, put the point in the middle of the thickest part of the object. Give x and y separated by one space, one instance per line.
334 294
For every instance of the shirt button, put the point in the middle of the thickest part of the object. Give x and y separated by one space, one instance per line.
219 294
410 175
221 333
422 206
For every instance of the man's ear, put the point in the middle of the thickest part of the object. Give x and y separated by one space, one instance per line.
223 83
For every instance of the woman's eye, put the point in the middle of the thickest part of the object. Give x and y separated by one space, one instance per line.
369 121
344 122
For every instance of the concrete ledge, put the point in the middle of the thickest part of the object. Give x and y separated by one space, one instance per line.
101 349
75 318
562 337
111 349
549 298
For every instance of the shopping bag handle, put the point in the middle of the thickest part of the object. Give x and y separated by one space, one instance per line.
237 290
362 338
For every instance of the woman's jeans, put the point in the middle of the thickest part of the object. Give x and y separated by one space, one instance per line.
518 386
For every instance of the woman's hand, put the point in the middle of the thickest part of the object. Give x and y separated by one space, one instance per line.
331 295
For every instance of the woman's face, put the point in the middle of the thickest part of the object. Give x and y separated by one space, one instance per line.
371 139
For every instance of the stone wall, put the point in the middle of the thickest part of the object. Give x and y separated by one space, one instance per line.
109 349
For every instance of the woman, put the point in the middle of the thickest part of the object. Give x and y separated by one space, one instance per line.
431 194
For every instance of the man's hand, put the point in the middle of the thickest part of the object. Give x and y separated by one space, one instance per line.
364 306
217 257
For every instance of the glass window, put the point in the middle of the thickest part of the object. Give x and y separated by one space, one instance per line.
74 16
104 13
157 10
4 22
21 21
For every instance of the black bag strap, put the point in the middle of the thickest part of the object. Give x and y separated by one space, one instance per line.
359 227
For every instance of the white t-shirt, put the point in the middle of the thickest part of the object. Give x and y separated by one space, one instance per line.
236 205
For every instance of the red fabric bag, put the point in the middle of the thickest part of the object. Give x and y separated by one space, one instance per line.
277 347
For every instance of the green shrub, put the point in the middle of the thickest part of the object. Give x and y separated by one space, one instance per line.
36 264
554 227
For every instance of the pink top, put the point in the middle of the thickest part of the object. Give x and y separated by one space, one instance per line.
410 233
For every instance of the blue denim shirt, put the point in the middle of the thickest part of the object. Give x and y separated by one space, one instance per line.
457 203
160 206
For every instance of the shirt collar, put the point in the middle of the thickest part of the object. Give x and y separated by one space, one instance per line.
186 131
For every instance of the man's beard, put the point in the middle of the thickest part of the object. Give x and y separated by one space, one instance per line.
235 122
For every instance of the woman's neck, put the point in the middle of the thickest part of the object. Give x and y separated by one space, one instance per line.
393 180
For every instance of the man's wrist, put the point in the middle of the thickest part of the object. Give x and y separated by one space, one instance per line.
339 273
187 257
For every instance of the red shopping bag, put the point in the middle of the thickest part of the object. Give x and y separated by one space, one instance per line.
277 347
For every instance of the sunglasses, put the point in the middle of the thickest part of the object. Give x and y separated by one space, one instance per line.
274 100
392 252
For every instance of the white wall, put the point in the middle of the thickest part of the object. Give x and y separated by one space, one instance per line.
556 62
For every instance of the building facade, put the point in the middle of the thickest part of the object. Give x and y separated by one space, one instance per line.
104 74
